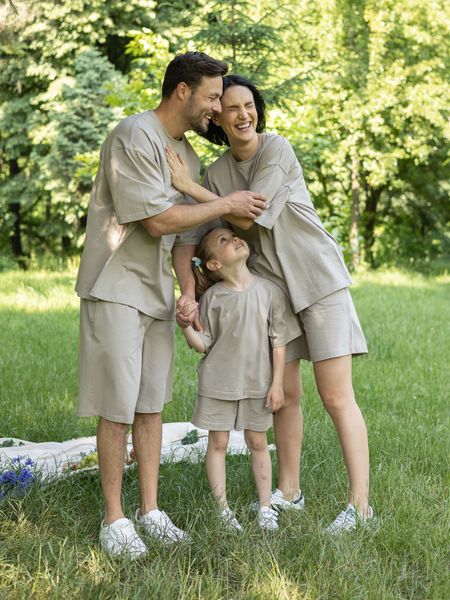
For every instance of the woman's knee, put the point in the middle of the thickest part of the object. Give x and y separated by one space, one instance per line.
336 402
292 385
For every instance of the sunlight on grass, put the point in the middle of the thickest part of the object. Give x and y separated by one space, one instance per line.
38 292
397 278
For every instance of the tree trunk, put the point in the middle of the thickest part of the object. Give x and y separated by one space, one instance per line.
370 220
355 213
15 209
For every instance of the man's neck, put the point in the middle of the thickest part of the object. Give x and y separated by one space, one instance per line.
171 120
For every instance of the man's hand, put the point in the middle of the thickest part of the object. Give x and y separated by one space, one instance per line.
246 204
187 313
275 398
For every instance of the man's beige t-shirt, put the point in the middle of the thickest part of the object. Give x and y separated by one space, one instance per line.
292 247
240 328
121 262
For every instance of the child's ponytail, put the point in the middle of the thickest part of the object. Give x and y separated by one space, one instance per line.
204 278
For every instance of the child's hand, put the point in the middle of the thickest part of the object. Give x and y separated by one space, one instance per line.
178 170
275 398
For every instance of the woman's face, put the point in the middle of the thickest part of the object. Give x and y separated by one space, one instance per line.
238 118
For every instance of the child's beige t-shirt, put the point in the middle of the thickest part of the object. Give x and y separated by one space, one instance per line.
121 262
292 247
240 330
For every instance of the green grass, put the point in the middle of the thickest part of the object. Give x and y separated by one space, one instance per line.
48 538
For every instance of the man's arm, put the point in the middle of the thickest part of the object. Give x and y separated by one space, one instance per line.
180 218
182 264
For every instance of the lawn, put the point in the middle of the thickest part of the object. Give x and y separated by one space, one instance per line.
48 538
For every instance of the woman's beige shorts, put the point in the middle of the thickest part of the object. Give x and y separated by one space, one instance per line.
225 415
124 363
330 329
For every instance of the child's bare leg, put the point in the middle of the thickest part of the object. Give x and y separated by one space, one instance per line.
215 465
261 464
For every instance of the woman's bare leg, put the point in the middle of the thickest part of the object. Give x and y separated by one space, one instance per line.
288 427
334 383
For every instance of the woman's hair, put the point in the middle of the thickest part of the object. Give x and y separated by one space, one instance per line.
204 278
215 133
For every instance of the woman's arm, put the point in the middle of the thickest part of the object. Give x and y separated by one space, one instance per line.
275 397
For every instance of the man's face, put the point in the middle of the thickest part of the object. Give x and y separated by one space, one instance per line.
203 103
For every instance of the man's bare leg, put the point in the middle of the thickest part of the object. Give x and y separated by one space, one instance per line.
110 441
147 433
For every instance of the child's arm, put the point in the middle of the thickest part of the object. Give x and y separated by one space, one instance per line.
275 397
194 339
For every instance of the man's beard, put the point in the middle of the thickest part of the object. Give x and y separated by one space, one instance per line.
196 118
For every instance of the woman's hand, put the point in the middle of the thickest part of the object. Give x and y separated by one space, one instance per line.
181 178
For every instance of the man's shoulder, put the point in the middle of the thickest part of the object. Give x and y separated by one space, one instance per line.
135 132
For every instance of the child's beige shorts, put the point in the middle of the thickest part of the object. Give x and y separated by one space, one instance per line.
330 329
124 363
225 415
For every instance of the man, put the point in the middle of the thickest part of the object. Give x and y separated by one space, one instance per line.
126 287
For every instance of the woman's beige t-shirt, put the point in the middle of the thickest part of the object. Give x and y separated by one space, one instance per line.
240 329
121 262
292 247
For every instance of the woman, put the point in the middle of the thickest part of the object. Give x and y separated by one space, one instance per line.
292 249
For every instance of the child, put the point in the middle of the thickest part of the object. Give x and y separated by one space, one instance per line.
240 378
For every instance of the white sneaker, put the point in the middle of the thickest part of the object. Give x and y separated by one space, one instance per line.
228 520
157 524
348 520
120 537
279 502
267 518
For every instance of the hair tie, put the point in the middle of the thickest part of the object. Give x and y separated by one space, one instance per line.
197 262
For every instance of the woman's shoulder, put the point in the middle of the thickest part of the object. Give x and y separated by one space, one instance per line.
218 164
274 144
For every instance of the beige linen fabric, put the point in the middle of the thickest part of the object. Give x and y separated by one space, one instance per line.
239 330
225 415
331 328
121 262
125 362
292 248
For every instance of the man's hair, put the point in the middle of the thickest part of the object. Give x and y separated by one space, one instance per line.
190 68
215 133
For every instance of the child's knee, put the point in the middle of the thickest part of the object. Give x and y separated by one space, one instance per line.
218 441
256 440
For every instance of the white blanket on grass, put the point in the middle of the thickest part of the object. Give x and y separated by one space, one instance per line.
53 459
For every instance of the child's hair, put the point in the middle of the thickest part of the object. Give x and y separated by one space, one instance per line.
204 278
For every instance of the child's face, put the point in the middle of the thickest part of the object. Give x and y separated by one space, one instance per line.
227 248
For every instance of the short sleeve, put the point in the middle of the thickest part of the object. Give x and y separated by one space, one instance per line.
137 185
283 325
276 172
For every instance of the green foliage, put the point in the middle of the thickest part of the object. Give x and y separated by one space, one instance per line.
360 90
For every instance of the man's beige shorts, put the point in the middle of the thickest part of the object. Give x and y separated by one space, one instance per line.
125 362
330 329
225 415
